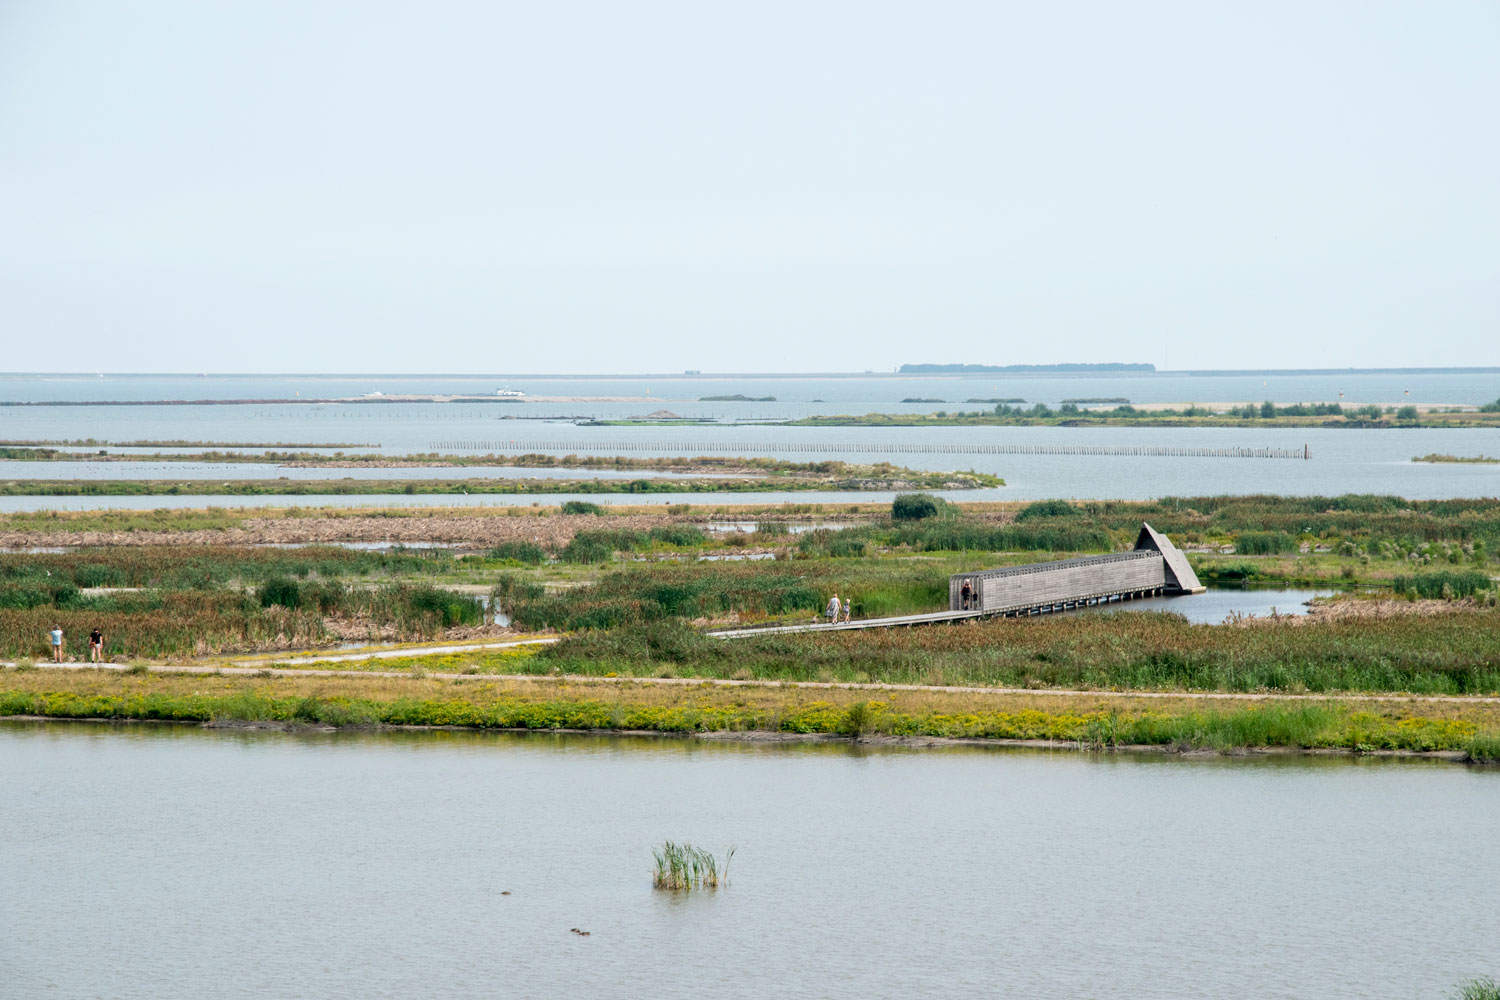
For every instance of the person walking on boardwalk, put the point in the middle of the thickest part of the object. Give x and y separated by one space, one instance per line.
96 645
832 611
966 594
56 635
847 608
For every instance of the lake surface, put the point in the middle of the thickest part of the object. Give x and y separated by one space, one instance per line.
1218 605
1341 461
157 861
795 394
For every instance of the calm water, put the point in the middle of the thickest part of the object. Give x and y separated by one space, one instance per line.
1343 461
794 393
1218 605
166 861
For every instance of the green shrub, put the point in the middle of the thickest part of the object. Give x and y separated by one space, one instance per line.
1264 543
281 592
581 507
587 548
1046 508
24 598
1444 584
97 575
684 535
511 588
529 553
914 507
961 535
846 545
448 607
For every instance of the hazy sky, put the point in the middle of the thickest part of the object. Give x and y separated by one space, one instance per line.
784 186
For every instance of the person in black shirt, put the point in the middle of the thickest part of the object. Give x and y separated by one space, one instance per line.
96 645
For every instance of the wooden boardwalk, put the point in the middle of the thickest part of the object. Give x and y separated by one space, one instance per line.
932 618
927 618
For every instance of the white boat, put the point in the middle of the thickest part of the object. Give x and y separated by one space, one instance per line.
510 393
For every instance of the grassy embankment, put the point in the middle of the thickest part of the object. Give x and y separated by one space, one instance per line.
1266 414
1097 721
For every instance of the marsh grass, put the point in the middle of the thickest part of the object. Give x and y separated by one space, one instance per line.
1484 749
1483 988
683 866
1455 652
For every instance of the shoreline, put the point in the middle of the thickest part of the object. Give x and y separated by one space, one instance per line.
766 736
764 712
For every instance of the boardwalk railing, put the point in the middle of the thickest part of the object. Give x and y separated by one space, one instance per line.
861 447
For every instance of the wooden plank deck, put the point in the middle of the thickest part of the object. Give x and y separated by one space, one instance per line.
939 617
931 618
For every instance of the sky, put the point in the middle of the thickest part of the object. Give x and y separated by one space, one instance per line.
782 186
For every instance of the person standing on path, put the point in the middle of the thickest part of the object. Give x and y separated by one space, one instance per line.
847 608
966 595
832 611
56 635
96 645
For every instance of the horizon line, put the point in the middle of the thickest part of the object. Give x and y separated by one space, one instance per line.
688 374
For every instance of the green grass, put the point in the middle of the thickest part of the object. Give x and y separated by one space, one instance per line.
1483 988
196 599
683 866
1454 653
1442 584
1484 749
1307 726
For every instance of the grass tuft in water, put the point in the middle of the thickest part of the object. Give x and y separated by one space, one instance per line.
683 866
1483 988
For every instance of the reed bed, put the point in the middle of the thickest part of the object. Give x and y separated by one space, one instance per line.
1456 652
1483 988
279 614
205 565
685 867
